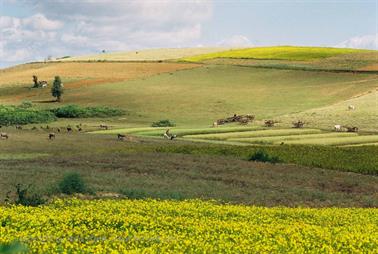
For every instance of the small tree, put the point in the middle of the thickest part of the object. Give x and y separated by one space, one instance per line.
57 88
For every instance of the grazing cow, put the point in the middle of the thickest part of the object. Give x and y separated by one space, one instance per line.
269 123
4 135
52 135
18 127
298 124
351 107
69 129
352 129
338 127
103 126
79 129
215 124
58 129
168 135
121 137
34 128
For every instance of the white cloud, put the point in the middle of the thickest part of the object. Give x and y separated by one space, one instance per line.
40 22
361 42
236 41
61 27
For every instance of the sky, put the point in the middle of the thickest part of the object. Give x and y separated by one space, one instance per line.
32 30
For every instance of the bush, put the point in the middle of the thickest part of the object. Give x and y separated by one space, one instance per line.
163 123
27 199
13 247
262 156
75 111
12 115
72 183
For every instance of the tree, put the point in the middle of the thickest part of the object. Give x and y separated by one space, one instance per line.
57 88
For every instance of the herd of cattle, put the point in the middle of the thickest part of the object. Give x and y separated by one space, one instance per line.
242 119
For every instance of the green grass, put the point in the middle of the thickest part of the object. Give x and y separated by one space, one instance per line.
364 61
197 97
158 131
365 116
278 53
279 139
176 169
258 133
336 140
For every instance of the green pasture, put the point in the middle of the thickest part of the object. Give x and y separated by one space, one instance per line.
198 97
257 133
279 139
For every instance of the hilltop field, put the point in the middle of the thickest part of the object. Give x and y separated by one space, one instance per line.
233 170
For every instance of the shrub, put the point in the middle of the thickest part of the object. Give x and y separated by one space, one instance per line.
75 111
163 123
72 183
11 115
27 199
262 156
13 247
26 104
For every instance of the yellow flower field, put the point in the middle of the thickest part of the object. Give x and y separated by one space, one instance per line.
192 226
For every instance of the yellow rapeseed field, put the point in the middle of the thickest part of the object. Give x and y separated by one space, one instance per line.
191 226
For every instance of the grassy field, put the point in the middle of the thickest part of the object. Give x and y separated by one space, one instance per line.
73 72
356 62
146 54
365 116
192 95
155 226
159 168
277 53
199 96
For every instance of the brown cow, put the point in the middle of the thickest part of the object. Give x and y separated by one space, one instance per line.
4 135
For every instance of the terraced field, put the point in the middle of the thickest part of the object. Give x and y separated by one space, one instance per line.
255 135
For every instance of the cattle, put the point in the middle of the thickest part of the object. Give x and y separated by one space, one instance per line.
351 107
69 129
18 127
79 129
168 135
103 126
338 127
51 135
269 123
298 124
351 129
58 129
215 124
4 135
121 136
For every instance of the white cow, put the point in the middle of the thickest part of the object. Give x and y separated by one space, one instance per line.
338 127
215 124
351 107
